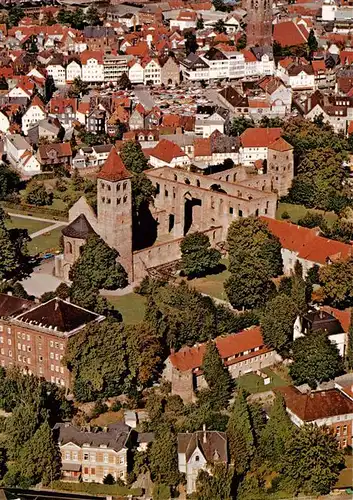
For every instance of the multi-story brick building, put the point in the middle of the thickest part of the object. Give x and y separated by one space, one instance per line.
90 454
34 336
332 408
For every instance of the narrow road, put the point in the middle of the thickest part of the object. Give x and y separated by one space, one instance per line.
48 229
36 218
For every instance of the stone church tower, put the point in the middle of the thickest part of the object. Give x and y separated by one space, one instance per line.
258 22
114 208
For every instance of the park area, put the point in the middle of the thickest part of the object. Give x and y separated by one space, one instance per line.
296 212
131 306
253 383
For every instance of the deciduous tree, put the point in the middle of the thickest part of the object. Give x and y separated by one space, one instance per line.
349 355
336 280
218 485
312 460
315 359
197 258
277 323
36 194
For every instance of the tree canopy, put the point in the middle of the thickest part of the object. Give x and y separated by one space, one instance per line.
217 377
315 359
197 258
336 281
277 323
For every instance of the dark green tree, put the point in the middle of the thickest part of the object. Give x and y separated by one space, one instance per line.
277 323
219 26
163 458
240 434
197 258
190 42
239 124
249 284
36 194
16 13
133 158
78 88
312 461
97 267
313 219
276 433
33 48
218 485
40 458
108 479
9 181
92 16
9 261
315 359
242 41
299 290
267 122
336 281
49 88
217 377
124 82
251 236
312 42
199 23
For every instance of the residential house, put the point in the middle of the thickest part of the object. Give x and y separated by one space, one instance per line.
34 337
205 124
96 121
56 69
91 157
306 246
89 454
323 320
336 110
137 118
168 154
215 149
332 408
34 113
55 154
289 34
99 37
136 72
153 118
64 109
198 451
73 70
255 144
151 72
279 95
92 66
115 66
4 122
242 352
186 19
49 129
28 165
15 147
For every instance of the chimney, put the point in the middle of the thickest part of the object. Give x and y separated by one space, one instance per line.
204 434
9 293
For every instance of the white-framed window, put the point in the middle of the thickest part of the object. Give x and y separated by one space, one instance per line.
74 455
1 340
93 457
51 355
121 460
86 456
51 343
28 337
105 458
51 368
67 455
8 330
8 341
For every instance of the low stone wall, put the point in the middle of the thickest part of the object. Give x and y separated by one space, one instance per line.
165 252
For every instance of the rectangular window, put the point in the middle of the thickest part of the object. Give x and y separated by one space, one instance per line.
105 458
51 343
8 330
67 455
51 368
85 456
1 340
74 455
28 337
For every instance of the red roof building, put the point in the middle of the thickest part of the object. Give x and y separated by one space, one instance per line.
114 169
288 34
242 352
259 137
333 408
167 153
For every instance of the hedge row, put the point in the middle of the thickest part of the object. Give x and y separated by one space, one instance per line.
31 209
95 488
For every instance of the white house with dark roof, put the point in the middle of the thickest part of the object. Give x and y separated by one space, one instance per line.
199 451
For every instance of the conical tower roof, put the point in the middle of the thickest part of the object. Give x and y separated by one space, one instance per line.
79 228
114 169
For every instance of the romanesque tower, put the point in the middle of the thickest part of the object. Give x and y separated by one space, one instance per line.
114 208
258 22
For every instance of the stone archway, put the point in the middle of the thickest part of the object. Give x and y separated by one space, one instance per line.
192 213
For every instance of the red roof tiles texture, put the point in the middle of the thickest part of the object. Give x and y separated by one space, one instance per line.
259 137
114 169
166 151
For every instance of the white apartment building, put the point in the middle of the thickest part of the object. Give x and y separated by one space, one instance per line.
92 67
115 67
73 70
152 73
33 115
136 73
57 71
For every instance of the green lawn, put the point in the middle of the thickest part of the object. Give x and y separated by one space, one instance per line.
296 212
47 242
131 306
212 284
30 224
345 479
253 383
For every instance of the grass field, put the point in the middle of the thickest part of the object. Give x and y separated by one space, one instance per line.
253 383
47 242
345 479
213 284
30 224
131 306
296 212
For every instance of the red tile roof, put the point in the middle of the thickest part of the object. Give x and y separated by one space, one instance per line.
166 150
306 242
59 105
316 405
288 34
190 358
114 169
36 101
92 54
202 147
280 145
259 137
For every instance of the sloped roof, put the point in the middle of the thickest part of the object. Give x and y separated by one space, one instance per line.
289 34
114 437
259 137
190 358
212 444
59 315
79 228
114 169
280 145
166 150
316 405
10 305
